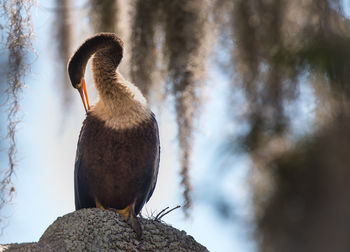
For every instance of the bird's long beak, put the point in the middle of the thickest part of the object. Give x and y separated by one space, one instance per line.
83 94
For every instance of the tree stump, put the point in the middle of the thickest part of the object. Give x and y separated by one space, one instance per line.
102 230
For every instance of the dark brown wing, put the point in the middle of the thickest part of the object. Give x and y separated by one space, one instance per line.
82 198
155 168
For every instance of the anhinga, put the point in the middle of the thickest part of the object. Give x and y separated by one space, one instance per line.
117 156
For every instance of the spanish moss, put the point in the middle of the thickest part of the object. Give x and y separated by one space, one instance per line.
63 39
184 51
103 14
18 31
257 33
278 43
144 48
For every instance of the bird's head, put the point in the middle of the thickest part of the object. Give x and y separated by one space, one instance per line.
76 73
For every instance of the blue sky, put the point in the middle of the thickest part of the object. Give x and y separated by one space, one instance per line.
44 176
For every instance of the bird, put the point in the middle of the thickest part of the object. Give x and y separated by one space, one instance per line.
117 157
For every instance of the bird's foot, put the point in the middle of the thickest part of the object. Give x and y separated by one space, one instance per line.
99 205
125 213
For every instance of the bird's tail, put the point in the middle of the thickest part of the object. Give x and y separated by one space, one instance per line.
135 224
129 216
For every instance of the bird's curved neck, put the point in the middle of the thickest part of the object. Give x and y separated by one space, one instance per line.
108 82
107 43
121 104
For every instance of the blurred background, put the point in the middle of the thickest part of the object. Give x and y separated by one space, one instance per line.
252 100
